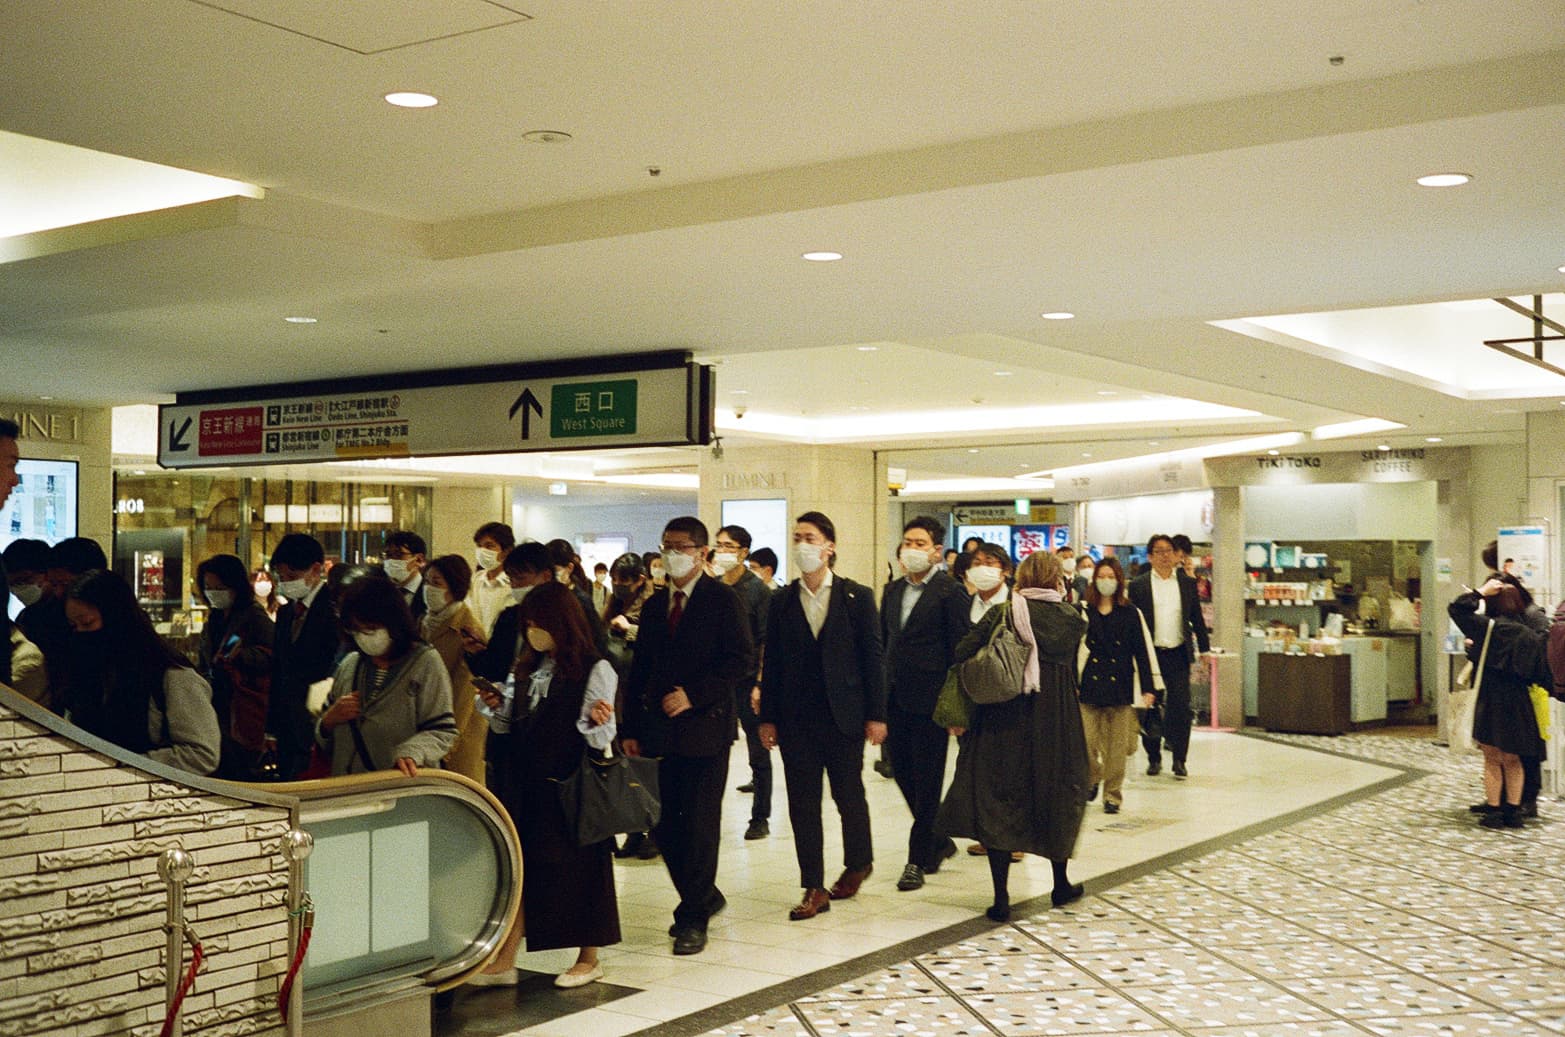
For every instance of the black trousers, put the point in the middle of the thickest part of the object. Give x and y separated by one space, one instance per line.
688 831
917 749
760 756
1175 665
812 746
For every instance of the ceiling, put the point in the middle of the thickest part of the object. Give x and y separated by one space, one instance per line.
1152 169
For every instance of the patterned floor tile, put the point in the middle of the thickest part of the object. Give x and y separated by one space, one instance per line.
900 981
1316 958
1256 927
1473 1024
1452 954
1360 997
1122 931
779 1022
1362 925
1008 973
1158 966
1064 1012
900 1017
1321 1028
1226 1004
1009 939
1516 990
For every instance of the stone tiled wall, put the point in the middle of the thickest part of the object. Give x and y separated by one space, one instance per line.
82 906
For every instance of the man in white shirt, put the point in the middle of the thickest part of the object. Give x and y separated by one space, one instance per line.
491 593
1168 599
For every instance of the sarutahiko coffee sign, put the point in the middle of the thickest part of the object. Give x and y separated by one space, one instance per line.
1358 466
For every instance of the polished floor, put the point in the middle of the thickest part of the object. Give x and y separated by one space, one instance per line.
1292 886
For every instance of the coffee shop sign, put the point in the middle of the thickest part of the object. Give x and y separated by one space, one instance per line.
1287 462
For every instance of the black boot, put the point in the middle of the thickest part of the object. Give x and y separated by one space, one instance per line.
1064 892
1000 876
1511 816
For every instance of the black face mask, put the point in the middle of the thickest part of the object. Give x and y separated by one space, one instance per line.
625 592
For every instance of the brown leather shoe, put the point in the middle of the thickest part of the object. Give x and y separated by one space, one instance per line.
849 881
815 901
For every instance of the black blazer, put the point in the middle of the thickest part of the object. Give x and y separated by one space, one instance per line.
708 654
850 651
1140 591
300 657
918 655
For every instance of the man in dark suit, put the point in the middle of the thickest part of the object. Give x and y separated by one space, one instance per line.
922 617
692 650
404 565
822 698
1168 600
304 650
728 562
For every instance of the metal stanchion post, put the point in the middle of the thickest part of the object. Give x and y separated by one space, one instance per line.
297 846
175 867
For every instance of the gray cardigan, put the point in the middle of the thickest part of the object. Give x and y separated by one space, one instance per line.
194 740
410 716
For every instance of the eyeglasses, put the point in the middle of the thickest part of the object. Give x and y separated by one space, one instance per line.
681 547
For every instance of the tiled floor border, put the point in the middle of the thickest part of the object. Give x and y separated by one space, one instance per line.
791 990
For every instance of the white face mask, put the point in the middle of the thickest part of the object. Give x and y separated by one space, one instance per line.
808 557
263 589
373 642
487 557
518 593
220 600
725 561
678 565
657 572
1068 564
27 593
293 590
1085 572
397 569
540 640
436 598
562 574
986 577
1107 585
914 560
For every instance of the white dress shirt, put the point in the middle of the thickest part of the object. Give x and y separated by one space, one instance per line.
910 595
1002 594
1168 611
815 603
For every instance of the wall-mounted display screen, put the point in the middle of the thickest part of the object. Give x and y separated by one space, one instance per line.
43 506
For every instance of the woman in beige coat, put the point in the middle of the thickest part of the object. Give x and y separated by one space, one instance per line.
447 580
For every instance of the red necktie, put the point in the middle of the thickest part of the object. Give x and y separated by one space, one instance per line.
675 613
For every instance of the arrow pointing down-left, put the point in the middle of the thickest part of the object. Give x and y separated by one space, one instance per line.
176 439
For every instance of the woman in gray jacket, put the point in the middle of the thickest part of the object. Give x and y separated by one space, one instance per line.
390 703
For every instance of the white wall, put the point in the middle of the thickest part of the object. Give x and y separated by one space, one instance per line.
643 523
1342 511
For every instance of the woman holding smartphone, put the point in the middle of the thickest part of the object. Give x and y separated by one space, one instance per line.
236 659
557 706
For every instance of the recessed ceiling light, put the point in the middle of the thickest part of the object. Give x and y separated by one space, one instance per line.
1432 439
972 450
46 397
411 99
1383 447
1059 315
1444 180
1107 392
822 257
1274 453
858 408
867 349
1562 269
1002 374
1086 453
738 392
547 137
1153 442
300 320
139 471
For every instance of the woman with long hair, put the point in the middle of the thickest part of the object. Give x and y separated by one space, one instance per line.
1021 775
390 701
1117 667
127 687
557 706
236 659
447 580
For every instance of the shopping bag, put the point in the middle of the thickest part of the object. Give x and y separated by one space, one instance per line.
1464 700
953 708
610 795
996 672
1540 708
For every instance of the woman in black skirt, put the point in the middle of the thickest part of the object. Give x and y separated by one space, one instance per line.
1021 775
1504 723
558 704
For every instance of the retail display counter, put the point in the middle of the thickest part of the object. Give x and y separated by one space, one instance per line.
1384 668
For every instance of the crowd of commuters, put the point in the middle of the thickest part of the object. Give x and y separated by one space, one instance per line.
512 672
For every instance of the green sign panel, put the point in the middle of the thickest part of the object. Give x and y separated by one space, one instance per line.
593 409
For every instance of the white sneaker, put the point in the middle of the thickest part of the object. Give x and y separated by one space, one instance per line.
507 978
568 980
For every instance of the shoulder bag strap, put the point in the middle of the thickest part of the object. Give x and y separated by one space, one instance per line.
1146 638
1483 657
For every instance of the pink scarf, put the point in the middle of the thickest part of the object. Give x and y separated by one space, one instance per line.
1023 624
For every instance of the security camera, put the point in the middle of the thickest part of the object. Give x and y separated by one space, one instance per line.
739 410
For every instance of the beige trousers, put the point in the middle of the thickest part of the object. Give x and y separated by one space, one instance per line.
1111 736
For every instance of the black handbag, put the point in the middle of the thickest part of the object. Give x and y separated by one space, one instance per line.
609 796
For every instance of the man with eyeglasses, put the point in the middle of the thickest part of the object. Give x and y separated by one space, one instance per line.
1169 602
692 650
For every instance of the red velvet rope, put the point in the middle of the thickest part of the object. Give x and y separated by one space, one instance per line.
197 956
293 971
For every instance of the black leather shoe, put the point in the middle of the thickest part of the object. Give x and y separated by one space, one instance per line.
1063 895
1529 809
631 846
912 878
1092 794
1110 808
1155 767
1484 808
648 848
748 786
758 830
1179 769
945 853
689 940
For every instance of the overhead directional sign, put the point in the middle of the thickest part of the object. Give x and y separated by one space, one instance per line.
666 401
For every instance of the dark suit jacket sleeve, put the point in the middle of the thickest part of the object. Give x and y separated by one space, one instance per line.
890 599
495 661
958 608
774 676
1193 616
867 632
731 650
649 640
